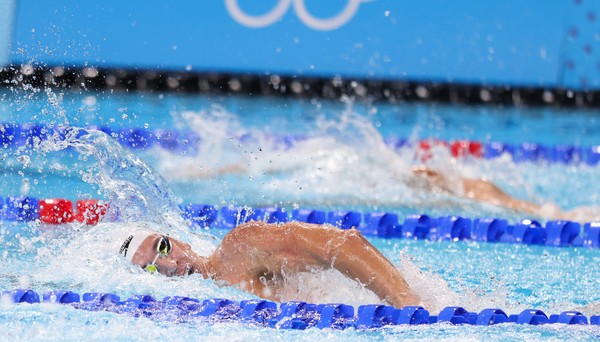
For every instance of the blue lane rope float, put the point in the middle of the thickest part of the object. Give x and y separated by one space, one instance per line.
288 315
557 233
15 135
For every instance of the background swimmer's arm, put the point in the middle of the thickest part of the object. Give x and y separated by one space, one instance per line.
484 191
255 251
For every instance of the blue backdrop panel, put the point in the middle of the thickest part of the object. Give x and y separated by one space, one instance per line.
6 25
581 67
494 42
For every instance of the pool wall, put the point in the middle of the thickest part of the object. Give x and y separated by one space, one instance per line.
536 44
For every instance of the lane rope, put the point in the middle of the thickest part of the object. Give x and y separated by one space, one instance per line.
15 135
557 233
288 315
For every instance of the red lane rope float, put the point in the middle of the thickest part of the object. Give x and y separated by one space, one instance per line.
90 211
424 148
60 210
458 148
55 211
463 148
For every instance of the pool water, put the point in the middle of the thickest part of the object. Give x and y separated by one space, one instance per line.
340 160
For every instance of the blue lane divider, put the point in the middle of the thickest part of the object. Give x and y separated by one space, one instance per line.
455 315
381 224
530 316
288 315
557 233
491 317
13 135
564 154
309 216
19 209
420 226
489 229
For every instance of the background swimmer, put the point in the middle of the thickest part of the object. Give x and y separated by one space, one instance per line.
484 191
476 189
347 161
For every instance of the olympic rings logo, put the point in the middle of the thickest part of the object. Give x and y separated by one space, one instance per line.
321 24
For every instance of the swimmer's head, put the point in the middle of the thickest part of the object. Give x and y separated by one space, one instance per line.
160 253
133 241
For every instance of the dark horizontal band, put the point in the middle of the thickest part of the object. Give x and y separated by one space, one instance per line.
295 86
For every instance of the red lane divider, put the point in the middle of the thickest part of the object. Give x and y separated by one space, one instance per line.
458 148
56 210
60 210
90 211
463 148
425 146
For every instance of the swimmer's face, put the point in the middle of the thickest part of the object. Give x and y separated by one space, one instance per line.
180 261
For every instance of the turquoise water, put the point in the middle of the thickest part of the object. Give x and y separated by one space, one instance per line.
343 163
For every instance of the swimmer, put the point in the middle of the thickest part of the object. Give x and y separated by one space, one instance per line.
479 190
482 191
256 256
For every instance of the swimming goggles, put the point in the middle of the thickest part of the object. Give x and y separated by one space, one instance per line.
163 247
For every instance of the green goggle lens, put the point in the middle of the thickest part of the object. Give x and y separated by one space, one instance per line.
162 248
151 268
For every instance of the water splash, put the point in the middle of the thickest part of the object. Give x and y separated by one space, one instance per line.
76 255
345 160
134 190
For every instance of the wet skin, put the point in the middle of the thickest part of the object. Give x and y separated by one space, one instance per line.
255 256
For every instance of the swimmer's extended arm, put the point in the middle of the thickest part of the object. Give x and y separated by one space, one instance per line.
485 191
256 255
